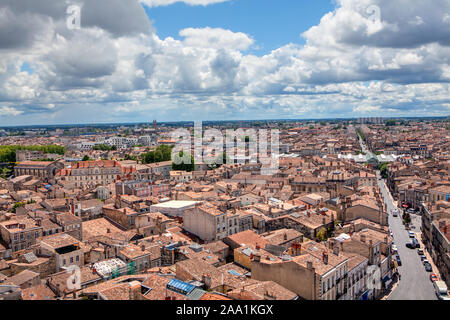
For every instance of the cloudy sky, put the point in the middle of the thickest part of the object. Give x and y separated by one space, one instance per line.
171 60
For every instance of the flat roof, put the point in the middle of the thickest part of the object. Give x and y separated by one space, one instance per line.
175 204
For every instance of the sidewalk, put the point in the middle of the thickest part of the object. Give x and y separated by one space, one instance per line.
392 288
427 254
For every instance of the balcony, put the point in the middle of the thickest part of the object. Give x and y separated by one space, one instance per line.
341 294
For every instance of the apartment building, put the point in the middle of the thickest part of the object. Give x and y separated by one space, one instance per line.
20 234
66 249
93 173
315 274
440 241
206 222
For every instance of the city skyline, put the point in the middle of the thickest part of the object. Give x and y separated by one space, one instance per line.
222 60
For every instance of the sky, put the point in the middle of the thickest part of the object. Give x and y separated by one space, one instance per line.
173 60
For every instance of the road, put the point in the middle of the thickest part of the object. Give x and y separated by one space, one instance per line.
364 147
415 283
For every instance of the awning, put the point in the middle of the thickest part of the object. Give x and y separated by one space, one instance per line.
365 296
405 206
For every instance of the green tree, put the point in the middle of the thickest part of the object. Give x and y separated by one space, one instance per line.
86 158
161 153
16 205
322 234
179 158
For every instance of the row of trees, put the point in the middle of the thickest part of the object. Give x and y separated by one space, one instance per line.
8 153
161 153
361 134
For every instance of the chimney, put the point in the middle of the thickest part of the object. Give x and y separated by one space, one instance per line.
206 279
285 236
324 221
143 247
325 257
309 265
108 230
363 238
257 258
135 288
336 250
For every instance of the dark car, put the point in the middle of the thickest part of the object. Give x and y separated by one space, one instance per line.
413 244
399 261
428 267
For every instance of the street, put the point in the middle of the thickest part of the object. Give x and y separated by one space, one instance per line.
415 283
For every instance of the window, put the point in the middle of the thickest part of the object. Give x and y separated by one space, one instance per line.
78 258
64 262
71 259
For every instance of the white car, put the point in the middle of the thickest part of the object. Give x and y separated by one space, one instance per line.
412 234
394 248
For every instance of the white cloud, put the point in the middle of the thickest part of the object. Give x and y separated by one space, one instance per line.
351 63
156 3
216 38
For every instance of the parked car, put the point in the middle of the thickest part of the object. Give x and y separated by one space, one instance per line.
395 213
412 234
423 257
399 261
441 290
433 277
420 252
428 267
413 244
394 248
426 261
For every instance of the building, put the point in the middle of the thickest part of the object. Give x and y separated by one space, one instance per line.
440 241
315 274
66 249
141 188
94 173
20 234
38 169
206 222
174 208
137 255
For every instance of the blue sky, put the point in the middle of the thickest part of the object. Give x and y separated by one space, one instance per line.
271 23
175 60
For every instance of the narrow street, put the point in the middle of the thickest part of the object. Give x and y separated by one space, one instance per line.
415 283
